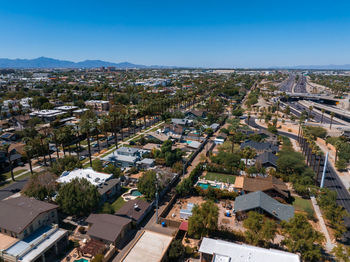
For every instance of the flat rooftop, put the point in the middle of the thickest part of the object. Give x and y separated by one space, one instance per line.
6 241
228 251
95 178
150 247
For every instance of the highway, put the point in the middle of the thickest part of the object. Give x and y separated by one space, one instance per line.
300 87
332 180
287 85
296 108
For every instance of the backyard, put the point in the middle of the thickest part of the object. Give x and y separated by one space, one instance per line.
220 177
303 205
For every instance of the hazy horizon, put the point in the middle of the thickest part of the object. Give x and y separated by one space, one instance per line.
195 33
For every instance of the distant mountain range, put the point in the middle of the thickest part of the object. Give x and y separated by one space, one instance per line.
321 67
45 62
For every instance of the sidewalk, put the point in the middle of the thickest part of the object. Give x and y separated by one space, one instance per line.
329 245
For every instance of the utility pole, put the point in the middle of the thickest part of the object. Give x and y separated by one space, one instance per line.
324 171
157 199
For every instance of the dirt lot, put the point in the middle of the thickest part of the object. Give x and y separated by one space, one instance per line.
174 213
229 222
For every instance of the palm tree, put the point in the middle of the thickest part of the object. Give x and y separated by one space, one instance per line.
28 150
332 115
5 148
86 126
337 146
310 110
322 115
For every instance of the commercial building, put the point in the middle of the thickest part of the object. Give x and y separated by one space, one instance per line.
98 105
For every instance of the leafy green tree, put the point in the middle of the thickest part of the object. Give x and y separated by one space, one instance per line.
79 197
67 163
204 219
107 208
147 184
111 169
259 229
341 253
41 186
97 165
176 250
300 237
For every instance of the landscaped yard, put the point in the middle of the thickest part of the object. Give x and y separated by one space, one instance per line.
15 173
220 177
119 202
303 205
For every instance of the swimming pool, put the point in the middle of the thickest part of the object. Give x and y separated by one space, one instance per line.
206 186
135 193
81 260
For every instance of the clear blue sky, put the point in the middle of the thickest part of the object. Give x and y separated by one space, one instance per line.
221 33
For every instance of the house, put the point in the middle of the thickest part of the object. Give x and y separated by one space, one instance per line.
219 250
29 230
180 121
270 185
260 147
47 115
125 156
135 210
267 159
107 228
194 114
9 137
106 185
98 105
174 130
262 203
193 144
145 163
158 136
220 138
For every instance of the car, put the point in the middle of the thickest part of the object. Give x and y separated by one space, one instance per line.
81 158
95 145
20 164
102 139
15 190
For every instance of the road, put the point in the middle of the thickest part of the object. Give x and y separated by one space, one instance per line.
332 181
287 85
300 87
296 108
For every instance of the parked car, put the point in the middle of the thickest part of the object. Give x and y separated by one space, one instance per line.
95 145
81 158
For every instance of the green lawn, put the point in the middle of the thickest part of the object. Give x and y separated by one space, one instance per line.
221 177
8 174
119 202
303 205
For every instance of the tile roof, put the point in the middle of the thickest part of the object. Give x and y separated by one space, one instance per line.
267 157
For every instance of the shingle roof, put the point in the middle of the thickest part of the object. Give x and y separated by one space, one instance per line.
267 157
106 226
268 204
108 185
265 184
17 213
259 146
133 209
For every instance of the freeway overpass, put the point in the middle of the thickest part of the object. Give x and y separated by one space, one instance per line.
308 96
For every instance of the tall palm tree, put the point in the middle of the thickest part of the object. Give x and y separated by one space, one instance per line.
322 115
6 149
87 125
332 115
337 146
28 151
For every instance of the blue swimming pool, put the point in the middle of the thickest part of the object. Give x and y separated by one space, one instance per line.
136 193
206 186
81 260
